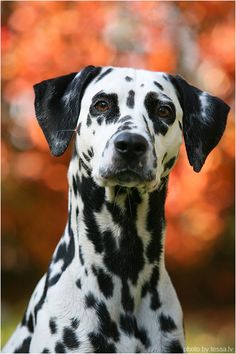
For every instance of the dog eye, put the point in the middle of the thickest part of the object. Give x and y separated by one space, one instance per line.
102 106
164 111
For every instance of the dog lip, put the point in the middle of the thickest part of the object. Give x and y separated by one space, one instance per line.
127 176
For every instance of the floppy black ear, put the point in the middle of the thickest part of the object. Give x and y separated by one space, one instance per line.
204 120
57 106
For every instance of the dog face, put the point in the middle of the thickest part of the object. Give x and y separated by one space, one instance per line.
129 123
132 119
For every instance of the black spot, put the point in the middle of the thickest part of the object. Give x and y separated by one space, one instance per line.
141 85
69 338
90 300
100 343
180 125
81 255
93 199
155 300
104 281
74 185
30 323
83 164
141 334
155 223
127 324
86 271
130 99
75 323
52 326
166 323
169 163
100 120
46 350
145 288
79 128
126 299
128 78
77 211
89 121
91 152
78 283
39 305
24 347
104 74
60 348
158 85
87 158
164 157
125 119
165 77
174 347
107 327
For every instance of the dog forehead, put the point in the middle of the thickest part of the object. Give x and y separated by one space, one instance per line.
122 80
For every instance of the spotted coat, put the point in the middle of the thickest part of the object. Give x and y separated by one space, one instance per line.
107 288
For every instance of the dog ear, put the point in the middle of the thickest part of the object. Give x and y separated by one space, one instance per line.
204 120
57 106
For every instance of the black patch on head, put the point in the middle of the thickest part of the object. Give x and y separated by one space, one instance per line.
158 85
90 300
112 114
128 78
60 348
180 125
104 74
24 347
104 281
78 283
89 121
52 326
166 323
130 99
100 343
169 164
174 347
152 103
70 339
75 323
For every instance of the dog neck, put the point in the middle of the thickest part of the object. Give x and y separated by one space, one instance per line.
119 230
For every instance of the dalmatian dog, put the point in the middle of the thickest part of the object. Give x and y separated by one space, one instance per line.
107 289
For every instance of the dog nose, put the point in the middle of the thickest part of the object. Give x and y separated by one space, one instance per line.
130 145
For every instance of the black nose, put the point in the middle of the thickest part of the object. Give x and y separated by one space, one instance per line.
130 145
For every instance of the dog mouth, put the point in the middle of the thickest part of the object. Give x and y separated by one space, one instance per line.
126 177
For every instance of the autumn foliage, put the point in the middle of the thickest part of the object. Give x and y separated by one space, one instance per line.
47 39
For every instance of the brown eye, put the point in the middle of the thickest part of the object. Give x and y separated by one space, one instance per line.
102 106
164 112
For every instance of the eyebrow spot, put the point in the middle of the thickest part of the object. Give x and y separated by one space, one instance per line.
158 85
130 99
104 74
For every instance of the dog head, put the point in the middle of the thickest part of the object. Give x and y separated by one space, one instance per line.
128 123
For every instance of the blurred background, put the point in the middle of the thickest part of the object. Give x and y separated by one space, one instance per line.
43 39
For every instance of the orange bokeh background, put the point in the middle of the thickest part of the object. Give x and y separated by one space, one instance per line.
43 39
